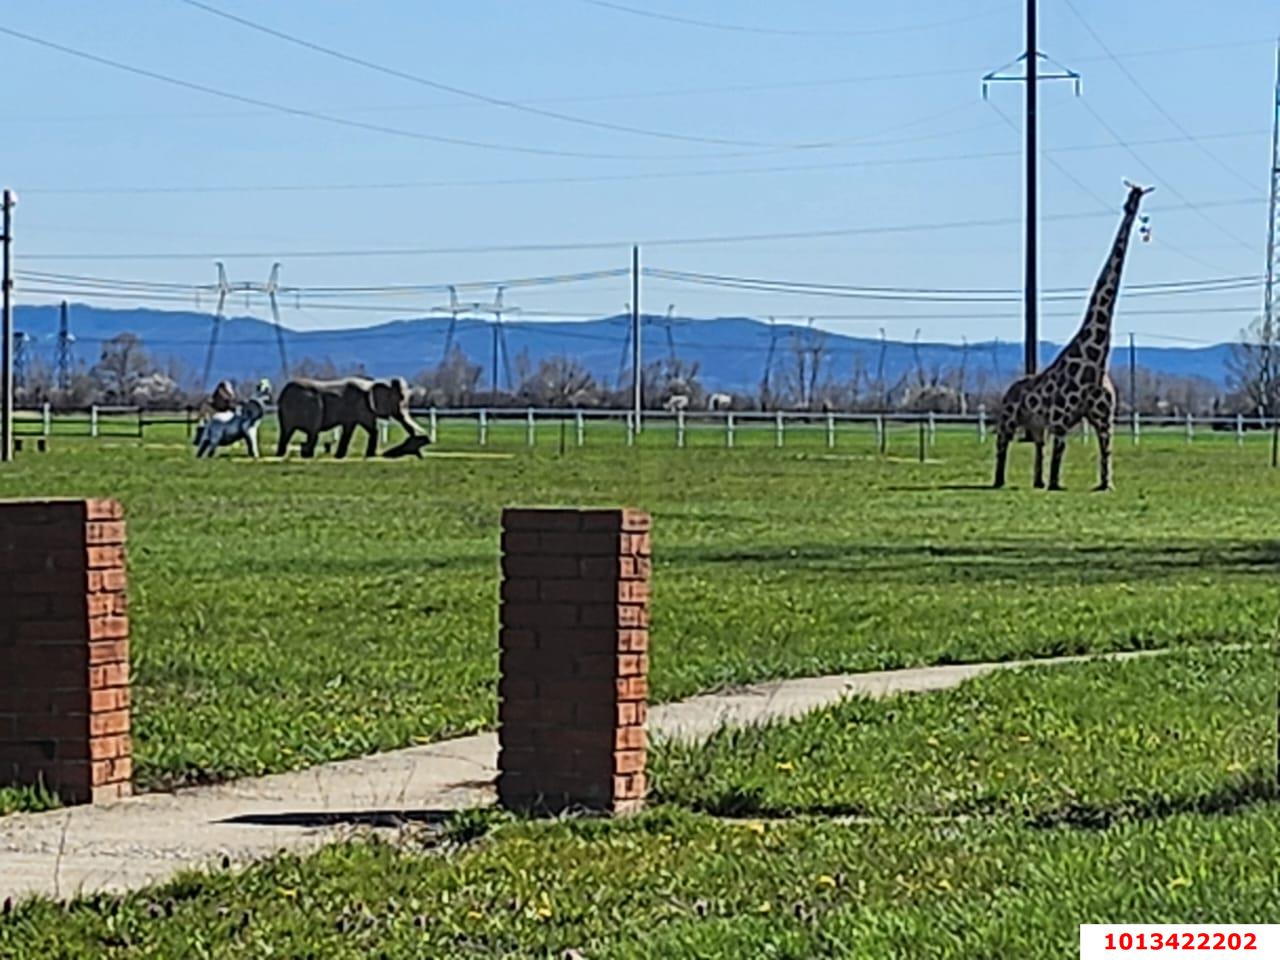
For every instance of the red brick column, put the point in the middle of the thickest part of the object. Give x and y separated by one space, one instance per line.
574 669
64 648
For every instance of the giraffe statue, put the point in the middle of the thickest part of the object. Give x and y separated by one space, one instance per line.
1076 385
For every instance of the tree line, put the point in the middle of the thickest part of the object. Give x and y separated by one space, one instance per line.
804 376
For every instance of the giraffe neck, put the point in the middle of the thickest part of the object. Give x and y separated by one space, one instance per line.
1096 329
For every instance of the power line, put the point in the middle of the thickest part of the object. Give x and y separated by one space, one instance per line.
315 114
481 97
385 289
1173 121
1090 192
612 244
959 294
666 93
611 178
414 134
1197 208
785 32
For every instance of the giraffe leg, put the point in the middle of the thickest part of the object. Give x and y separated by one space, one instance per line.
1055 462
1003 439
1104 455
1037 437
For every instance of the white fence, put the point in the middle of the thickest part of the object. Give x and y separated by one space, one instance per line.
574 426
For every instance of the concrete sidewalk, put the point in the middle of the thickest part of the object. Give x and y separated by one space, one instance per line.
148 838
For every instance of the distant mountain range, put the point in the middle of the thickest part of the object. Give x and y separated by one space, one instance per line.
732 352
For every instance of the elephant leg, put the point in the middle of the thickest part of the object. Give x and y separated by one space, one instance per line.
371 448
309 445
344 441
282 445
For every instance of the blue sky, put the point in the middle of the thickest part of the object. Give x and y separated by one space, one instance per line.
902 79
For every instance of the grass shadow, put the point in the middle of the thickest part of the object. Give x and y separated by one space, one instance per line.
1021 560
1235 798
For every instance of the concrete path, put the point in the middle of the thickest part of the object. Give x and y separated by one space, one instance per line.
148 838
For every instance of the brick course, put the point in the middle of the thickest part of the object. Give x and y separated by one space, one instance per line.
574 643
64 648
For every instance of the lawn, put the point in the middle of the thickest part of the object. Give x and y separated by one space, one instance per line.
287 614
1165 814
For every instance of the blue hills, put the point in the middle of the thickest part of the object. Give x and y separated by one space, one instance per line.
731 352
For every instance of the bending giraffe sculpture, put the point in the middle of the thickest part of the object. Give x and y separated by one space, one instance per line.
1075 386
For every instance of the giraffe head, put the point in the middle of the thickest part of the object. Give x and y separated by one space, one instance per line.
1136 193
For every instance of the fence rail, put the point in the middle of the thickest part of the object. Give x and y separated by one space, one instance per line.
95 421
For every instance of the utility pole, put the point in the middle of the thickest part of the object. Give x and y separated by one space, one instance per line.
6 334
1030 78
1030 271
65 340
1133 378
636 377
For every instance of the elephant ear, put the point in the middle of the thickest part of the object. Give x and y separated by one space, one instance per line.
389 396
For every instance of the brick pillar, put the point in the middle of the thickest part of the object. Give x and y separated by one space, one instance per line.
64 648
574 669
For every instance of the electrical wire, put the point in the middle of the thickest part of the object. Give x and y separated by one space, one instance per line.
1090 192
481 97
1197 208
334 118
613 178
784 32
1173 121
614 244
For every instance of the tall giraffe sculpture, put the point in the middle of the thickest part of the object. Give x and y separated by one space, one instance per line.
1076 385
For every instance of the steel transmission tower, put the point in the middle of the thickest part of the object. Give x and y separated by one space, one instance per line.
21 343
270 288
1273 211
65 340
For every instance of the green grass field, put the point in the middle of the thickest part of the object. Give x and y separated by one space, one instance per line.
1143 793
287 614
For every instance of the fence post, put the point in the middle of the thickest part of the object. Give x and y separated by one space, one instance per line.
933 428
529 428
880 438
384 429
48 418
93 420
982 423
1191 428
831 430
579 427
631 429
140 423
484 427
1137 426
728 429
432 424
778 429
1239 429
680 429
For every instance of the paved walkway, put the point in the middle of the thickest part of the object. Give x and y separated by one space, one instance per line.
149 838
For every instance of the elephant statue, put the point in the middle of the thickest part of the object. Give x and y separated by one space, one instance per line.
314 406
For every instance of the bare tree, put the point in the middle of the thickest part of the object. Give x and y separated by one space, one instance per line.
1253 367
559 382
121 366
452 382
